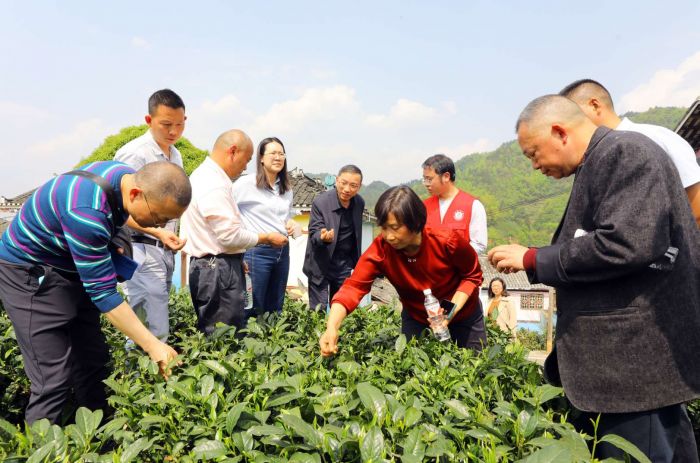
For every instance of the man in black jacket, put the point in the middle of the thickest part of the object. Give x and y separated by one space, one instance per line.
625 261
335 236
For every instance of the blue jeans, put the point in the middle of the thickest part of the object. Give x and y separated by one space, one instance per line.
269 269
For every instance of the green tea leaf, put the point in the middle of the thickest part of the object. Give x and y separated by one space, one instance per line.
133 450
372 446
373 399
8 428
41 453
459 409
400 344
233 415
209 449
88 421
216 367
626 446
302 429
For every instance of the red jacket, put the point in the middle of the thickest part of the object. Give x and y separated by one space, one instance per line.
458 215
445 263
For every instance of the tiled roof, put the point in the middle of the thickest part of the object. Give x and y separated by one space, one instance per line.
689 126
304 188
514 281
20 199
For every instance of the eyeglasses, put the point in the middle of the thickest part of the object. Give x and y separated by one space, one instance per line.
343 184
153 218
428 180
276 154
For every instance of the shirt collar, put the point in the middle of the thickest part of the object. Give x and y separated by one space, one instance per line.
210 164
155 144
336 202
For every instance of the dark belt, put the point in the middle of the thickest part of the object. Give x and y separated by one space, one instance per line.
146 240
218 256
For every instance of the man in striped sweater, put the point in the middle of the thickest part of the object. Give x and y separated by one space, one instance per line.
57 275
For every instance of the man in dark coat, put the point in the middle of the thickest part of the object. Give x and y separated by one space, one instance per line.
335 236
625 261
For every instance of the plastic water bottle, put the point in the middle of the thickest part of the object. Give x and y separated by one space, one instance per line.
248 292
436 319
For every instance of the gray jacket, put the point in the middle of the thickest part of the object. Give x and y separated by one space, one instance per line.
625 261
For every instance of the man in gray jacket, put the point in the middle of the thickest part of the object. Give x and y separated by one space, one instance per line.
625 261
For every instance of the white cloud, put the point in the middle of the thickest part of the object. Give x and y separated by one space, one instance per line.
75 143
140 42
403 112
314 105
212 117
477 146
668 87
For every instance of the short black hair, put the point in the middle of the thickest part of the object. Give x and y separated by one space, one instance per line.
165 97
587 88
351 169
504 293
441 164
406 206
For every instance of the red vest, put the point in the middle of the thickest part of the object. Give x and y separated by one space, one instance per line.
458 215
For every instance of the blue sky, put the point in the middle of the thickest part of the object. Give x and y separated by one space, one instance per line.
379 84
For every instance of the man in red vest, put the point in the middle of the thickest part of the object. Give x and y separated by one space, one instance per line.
450 207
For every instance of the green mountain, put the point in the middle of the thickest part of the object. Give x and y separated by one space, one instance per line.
370 193
522 205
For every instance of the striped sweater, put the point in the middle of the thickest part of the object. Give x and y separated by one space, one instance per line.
67 224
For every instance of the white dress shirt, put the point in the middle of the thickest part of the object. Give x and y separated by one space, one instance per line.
144 150
680 152
212 223
263 210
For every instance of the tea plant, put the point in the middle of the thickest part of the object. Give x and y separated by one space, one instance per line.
270 396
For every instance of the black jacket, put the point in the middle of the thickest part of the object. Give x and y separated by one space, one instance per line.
325 213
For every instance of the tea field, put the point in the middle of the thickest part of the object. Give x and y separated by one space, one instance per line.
269 396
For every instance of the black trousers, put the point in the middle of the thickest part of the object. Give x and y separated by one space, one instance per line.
468 333
217 288
665 435
58 330
322 293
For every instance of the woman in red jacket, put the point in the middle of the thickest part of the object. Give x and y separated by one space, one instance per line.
414 258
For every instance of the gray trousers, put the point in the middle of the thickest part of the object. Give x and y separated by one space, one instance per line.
148 291
58 330
217 287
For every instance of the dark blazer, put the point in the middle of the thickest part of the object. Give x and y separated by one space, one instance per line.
325 213
625 261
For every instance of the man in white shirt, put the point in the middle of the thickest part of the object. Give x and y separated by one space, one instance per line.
451 208
148 290
216 238
597 104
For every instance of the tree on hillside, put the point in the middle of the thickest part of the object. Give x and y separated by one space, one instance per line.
666 117
191 155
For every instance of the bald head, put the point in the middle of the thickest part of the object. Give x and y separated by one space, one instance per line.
163 181
232 151
554 134
231 138
546 110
